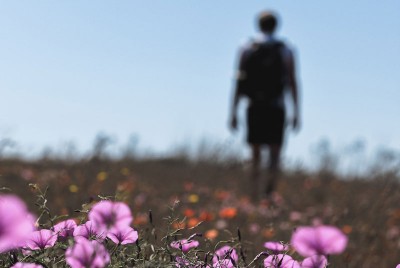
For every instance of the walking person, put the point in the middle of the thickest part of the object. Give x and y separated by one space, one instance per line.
266 70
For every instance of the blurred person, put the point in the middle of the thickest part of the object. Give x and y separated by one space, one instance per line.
266 71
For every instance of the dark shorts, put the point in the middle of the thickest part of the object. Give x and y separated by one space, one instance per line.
265 124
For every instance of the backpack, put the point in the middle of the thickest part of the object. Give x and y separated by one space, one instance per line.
262 72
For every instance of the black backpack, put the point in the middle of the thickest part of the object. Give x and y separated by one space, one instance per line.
262 72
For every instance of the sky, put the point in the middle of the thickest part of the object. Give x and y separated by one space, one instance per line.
163 71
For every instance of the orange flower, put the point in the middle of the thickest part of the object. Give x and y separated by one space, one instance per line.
221 194
192 222
140 219
127 186
206 216
211 234
178 225
228 213
347 229
188 186
189 213
268 232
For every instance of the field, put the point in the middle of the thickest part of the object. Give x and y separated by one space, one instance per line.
211 198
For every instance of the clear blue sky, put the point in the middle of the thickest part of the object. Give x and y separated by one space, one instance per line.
164 70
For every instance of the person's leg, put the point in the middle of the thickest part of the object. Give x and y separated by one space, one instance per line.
255 169
274 167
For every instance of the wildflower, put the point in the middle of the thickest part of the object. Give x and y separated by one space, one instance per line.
184 244
65 229
26 265
225 253
87 254
318 240
280 261
16 223
295 216
276 247
102 176
211 234
181 262
193 198
188 213
107 215
316 261
228 212
41 239
88 231
123 236
224 263
192 222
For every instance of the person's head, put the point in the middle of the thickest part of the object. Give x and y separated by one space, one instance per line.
267 22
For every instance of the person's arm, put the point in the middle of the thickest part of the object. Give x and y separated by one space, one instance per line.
237 92
235 104
294 90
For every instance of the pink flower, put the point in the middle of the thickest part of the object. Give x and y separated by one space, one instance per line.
224 256
280 261
318 240
316 261
107 215
16 223
26 265
87 254
295 216
65 228
41 239
89 231
276 247
123 236
184 244
182 263
224 263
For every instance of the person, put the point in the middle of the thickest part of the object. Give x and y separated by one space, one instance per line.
266 70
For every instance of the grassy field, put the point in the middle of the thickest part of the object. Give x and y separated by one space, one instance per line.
213 198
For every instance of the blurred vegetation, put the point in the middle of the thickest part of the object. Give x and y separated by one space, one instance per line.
212 188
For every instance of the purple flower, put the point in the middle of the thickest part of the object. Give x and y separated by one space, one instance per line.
123 236
280 261
89 231
16 223
316 261
107 215
26 265
181 262
224 263
276 247
184 244
87 254
224 256
41 239
65 229
318 240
